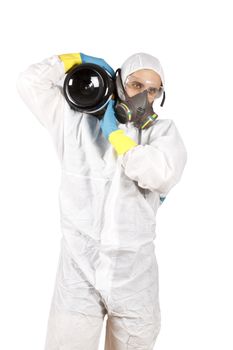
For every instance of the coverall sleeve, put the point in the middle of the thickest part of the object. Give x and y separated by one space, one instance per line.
38 88
157 166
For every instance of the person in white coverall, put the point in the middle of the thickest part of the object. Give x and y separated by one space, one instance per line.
110 191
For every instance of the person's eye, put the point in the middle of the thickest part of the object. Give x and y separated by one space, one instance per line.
137 85
153 91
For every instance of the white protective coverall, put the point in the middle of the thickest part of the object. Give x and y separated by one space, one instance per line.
108 205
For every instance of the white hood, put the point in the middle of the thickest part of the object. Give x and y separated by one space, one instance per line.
141 61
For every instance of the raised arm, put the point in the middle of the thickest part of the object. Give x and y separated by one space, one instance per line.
39 89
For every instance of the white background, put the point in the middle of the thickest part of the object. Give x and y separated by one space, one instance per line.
194 244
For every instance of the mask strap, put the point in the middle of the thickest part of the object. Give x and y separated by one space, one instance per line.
118 71
161 104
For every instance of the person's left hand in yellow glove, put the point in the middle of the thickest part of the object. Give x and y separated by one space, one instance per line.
70 59
117 137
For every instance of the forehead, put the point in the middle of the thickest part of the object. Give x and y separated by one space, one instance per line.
147 74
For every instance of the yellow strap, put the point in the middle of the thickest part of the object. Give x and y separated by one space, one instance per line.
70 59
121 142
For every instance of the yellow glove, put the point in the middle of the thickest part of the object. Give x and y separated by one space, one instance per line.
117 137
70 59
121 142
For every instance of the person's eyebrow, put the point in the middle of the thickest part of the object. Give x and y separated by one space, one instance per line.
135 77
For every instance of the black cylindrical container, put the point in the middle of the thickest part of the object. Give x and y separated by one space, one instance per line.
88 88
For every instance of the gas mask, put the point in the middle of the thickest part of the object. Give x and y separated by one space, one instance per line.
136 109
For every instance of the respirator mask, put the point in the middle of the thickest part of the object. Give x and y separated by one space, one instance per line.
137 108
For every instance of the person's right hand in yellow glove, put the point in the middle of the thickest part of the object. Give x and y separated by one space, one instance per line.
70 59
117 137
